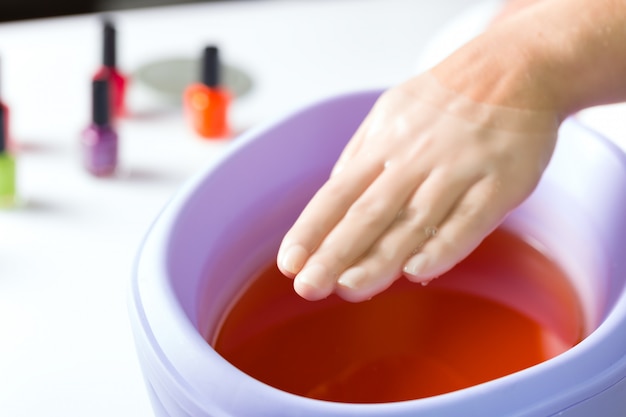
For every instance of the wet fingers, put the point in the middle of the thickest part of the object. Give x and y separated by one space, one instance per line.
321 215
414 225
361 227
479 212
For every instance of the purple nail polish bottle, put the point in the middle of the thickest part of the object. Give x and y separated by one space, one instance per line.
99 141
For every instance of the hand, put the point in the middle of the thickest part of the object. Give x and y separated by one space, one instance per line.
426 177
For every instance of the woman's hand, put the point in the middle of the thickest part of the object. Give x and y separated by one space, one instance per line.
441 159
426 177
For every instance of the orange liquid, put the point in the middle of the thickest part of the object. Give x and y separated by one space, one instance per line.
410 341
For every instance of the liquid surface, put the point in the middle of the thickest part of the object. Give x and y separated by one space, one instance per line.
505 308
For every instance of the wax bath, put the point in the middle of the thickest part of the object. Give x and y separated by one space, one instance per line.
507 307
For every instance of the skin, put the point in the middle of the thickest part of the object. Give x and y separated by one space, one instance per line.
442 158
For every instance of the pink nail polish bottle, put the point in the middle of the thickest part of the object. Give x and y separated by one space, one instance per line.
99 140
110 70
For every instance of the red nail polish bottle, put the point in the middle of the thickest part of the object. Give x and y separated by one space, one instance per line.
5 113
110 71
207 102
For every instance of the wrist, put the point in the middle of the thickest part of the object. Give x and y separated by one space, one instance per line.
497 68
559 56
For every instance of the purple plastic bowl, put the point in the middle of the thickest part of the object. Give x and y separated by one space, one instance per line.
227 222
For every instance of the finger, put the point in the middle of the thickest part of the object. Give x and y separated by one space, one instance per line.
362 225
480 211
417 223
322 213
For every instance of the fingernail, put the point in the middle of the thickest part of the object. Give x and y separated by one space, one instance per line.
313 275
293 259
352 278
416 265
314 282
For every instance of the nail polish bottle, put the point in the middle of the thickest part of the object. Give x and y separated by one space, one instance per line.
110 70
207 102
99 140
7 165
5 122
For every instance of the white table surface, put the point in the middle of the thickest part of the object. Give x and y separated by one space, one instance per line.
66 252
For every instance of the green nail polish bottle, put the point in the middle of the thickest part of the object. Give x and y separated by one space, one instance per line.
7 164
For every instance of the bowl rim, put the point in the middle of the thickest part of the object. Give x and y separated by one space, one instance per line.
161 326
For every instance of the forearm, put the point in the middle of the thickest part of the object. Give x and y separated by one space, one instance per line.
555 55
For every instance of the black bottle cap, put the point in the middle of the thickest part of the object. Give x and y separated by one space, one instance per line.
3 130
211 67
101 103
109 44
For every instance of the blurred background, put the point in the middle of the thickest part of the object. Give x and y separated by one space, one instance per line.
11 10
